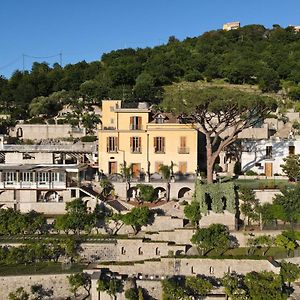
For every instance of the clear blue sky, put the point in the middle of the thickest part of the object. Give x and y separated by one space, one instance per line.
84 29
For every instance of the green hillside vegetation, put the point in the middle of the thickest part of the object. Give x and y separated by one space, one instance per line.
252 55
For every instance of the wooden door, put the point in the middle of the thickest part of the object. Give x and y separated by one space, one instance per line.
269 169
182 167
112 167
135 169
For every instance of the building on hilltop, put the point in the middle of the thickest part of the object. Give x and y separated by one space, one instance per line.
231 26
137 137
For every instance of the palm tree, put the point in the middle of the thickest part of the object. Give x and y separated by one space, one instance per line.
126 173
166 174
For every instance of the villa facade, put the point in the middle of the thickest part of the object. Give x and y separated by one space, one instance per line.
138 138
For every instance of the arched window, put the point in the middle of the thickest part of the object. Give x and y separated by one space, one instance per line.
123 251
157 252
211 270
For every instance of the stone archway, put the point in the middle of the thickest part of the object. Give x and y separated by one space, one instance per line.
184 192
51 196
132 193
159 191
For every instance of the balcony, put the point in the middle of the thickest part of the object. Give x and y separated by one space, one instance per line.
112 150
183 150
159 150
137 150
135 127
109 128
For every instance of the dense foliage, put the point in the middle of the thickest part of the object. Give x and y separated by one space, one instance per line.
252 54
215 237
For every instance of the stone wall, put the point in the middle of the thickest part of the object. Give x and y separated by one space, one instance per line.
164 223
56 282
193 266
43 131
129 250
266 196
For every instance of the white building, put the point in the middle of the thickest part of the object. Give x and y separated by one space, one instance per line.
265 156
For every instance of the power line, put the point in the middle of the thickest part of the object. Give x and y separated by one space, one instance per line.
10 63
42 57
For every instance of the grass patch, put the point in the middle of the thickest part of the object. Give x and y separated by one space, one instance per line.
262 184
39 268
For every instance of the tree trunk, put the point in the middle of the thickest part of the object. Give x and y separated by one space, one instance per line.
210 160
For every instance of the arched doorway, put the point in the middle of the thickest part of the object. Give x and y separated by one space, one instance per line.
184 192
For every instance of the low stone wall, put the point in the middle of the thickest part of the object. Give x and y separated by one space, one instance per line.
194 266
58 283
164 223
266 196
129 250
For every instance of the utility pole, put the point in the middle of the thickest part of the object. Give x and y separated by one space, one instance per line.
23 56
60 58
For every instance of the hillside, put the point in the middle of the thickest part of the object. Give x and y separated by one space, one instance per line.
252 55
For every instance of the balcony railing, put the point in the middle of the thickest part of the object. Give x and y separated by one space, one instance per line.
112 150
136 150
159 151
109 128
183 150
135 127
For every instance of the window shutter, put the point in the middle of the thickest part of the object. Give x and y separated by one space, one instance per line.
182 141
116 143
163 143
131 142
131 122
155 142
107 143
140 143
139 122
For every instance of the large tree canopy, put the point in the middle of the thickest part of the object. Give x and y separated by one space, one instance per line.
219 113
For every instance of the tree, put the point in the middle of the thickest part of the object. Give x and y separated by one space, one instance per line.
19 294
131 294
272 212
250 205
287 240
37 222
192 212
39 292
197 286
266 241
291 166
234 286
220 114
166 172
289 201
147 192
172 290
264 286
80 280
110 285
137 217
107 188
216 236
289 272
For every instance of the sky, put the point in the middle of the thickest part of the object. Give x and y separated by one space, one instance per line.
85 29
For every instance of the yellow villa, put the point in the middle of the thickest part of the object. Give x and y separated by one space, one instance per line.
139 138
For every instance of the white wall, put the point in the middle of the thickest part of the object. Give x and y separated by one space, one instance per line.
255 152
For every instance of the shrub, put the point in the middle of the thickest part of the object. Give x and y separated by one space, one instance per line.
250 173
89 138
237 168
146 192
51 121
